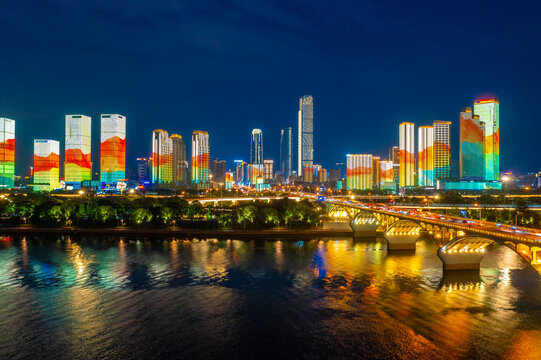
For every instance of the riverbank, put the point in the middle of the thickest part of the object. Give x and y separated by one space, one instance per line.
178 232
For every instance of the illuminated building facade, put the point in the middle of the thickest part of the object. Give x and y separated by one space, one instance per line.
256 148
286 151
472 147
407 154
142 170
268 165
308 173
179 165
394 156
323 175
359 172
77 160
488 110
162 157
375 172
113 148
200 159
386 172
442 149
46 165
240 171
306 134
426 156
7 153
229 179
217 170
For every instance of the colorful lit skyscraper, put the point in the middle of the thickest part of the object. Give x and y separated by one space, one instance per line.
229 179
162 157
472 153
268 165
179 165
200 159
256 148
306 133
286 151
442 149
426 156
46 165
359 172
407 154
386 175
77 159
488 110
375 172
7 153
113 148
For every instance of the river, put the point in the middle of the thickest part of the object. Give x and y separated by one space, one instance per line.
118 298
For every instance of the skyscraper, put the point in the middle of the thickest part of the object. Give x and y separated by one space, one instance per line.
286 151
488 110
7 153
359 172
394 156
375 172
442 149
256 148
407 154
200 159
385 172
426 156
46 165
179 165
269 169
306 133
162 157
472 154
77 159
218 170
142 170
113 148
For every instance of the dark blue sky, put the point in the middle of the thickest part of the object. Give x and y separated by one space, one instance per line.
227 67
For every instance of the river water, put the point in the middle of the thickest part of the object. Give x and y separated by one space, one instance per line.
112 298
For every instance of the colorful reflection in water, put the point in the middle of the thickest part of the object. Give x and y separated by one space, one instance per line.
124 298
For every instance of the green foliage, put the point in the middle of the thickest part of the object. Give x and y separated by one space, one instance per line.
140 217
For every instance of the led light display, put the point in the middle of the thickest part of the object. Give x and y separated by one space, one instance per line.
386 172
359 171
7 153
46 165
472 137
406 154
162 157
488 110
200 158
113 148
77 160
426 156
442 149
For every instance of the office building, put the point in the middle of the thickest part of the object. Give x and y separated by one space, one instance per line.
268 165
229 179
308 173
306 134
286 151
375 172
442 149
426 156
7 153
386 172
359 172
472 147
394 156
488 110
162 157
46 165
407 154
218 169
240 171
113 148
142 169
179 165
200 159
256 148
77 159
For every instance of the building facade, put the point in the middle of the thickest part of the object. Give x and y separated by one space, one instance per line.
179 165
268 165
472 147
200 159
7 153
407 154
218 170
46 165
488 110
256 147
425 153
359 171
286 151
306 133
162 157
77 153
113 148
442 149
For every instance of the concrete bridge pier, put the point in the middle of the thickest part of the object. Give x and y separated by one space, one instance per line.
463 253
402 235
364 224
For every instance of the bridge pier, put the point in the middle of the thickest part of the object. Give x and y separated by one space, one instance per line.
464 259
364 224
402 235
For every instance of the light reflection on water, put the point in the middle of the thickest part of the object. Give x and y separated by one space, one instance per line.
132 299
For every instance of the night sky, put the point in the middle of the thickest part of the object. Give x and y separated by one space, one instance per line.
228 67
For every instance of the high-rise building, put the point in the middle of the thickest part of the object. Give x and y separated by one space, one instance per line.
218 169
162 157
385 172
286 151
256 148
113 148
268 165
306 133
335 175
426 156
472 153
77 160
7 153
375 172
323 175
200 159
488 110
46 165
179 165
394 156
240 171
229 179
143 173
308 173
407 154
359 172
442 149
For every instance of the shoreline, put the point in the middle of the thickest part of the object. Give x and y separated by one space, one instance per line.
178 232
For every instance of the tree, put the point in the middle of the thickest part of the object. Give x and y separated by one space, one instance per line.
271 216
141 216
105 214
166 214
246 214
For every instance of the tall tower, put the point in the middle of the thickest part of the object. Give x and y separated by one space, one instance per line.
472 153
426 156
179 164
286 151
306 133
77 158
200 159
7 153
407 154
488 110
113 148
359 171
46 165
162 157
442 149
256 149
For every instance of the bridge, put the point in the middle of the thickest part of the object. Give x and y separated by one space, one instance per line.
461 242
